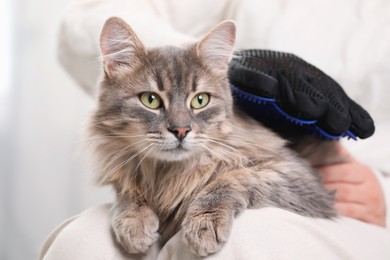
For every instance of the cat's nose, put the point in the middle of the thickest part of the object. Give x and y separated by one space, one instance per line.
180 132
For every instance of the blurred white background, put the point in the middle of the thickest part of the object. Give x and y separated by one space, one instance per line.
43 175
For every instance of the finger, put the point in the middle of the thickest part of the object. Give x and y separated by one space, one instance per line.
359 212
351 210
346 172
345 192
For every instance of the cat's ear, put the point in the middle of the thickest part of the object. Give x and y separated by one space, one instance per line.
216 48
119 46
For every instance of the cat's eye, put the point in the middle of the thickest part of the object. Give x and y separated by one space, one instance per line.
150 100
200 100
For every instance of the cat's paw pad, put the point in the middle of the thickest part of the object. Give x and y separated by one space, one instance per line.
206 233
136 232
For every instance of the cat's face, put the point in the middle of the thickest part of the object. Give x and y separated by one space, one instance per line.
167 103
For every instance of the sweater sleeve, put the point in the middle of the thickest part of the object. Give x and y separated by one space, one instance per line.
78 44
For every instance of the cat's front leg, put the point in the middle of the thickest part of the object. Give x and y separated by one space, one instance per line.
134 224
209 218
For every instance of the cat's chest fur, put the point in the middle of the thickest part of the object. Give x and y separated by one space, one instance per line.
169 187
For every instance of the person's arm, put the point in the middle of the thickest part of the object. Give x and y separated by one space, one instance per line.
359 194
80 28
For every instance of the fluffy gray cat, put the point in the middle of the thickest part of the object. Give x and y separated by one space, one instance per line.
179 155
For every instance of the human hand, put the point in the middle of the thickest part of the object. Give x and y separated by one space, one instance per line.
358 191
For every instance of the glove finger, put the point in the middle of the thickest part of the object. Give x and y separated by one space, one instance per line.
362 124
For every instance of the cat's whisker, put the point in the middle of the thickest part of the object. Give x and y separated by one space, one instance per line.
127 161
222 159
204 156
239 141
125 151
232 149
225 158
112 136
237 161
222 143
157 137
226 153
236 137
240 129
232 152
143 158
88 141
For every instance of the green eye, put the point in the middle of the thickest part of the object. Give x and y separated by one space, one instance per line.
150 100
200 100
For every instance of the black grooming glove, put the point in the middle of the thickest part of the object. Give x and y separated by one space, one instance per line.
299 89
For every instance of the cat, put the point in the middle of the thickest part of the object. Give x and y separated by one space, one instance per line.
179 155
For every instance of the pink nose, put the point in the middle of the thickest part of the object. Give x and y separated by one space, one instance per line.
180 132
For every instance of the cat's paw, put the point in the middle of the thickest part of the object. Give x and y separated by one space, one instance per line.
206 233
136 231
